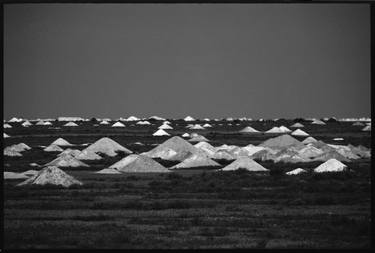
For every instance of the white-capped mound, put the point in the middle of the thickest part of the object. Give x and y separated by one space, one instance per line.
285 129
107 146
34 165
338 139
61 142
195 160
196 127
47 123
206 119
186 135
246 163
156 118
274 130
345 151
198 137
30 172
309 140
40 123
108 171
138 143
249 129
7 125
71 124
165 126
282 142
143 123
177 144
67 161
53 148
118 124
51 175
26 124
296 171
207 125
188 118
5 135
132 118
138 163
299 132
297 125
14 175
367 128
332 165
161 132
14 119
104 122
318 122
72 152
331 154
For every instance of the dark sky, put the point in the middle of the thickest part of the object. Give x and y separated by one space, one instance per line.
173 60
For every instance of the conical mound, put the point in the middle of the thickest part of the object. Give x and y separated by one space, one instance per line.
138 163
332 165
206 147
299 132
5 135
107 146
71 124
176 143
309 140
20 147
161 132
296 171
222 155
244 163
197 138
274 130
249 129
10 152
281 142
51 175
67 161
165 126
118 124
196 160
61 142
53 148
297 125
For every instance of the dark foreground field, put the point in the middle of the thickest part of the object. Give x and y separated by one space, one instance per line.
188 209
192 210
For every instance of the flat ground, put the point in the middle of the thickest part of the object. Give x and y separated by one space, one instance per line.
187 208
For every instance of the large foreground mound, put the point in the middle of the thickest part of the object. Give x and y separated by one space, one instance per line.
51 175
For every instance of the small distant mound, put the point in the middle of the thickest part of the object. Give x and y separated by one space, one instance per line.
51 175
161 132
296 171
245 163
249 129
5 135
299 132
106 146
332 165
189 118
61 142
297 125
138 163
165 126
118 124
197 138
71 124
318 122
